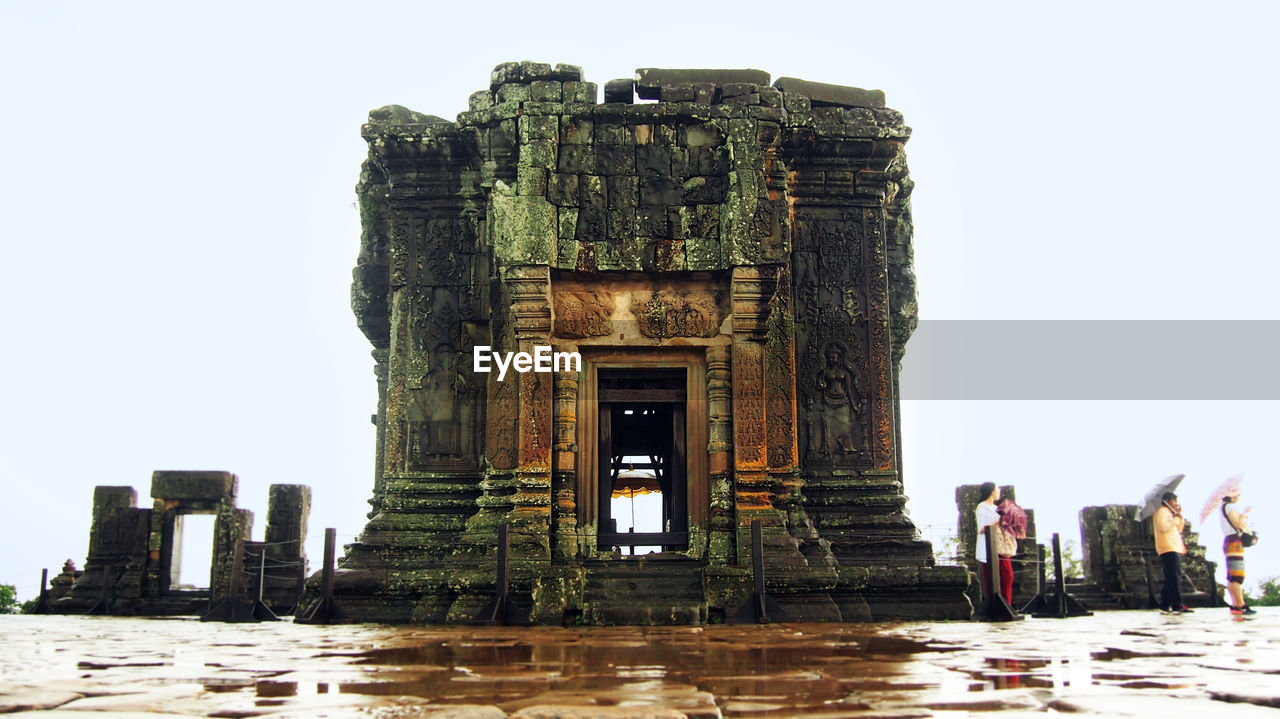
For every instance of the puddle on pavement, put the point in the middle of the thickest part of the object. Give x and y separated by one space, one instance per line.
716 671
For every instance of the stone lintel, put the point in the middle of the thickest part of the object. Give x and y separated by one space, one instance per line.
169 484
822 92
650 80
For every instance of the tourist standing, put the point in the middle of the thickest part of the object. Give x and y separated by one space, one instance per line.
987 515
1235 524
1168 524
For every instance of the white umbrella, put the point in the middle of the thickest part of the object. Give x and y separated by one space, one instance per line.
1154 498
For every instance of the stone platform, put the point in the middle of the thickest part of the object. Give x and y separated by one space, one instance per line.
1110 664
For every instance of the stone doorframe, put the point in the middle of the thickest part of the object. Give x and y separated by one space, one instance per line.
586 485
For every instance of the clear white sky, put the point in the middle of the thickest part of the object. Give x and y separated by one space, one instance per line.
178 227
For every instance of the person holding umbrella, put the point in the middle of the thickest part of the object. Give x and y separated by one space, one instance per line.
1235 527
1235 537
1168 524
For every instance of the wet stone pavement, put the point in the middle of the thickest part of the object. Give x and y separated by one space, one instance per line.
1110 664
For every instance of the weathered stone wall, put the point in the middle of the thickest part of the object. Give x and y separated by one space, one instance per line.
132 551
1120 558
757 236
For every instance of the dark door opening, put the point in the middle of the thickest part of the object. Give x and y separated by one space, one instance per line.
642 451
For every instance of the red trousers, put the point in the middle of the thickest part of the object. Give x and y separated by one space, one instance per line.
1006 579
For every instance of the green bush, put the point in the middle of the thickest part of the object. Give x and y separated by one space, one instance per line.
9 600
1267 593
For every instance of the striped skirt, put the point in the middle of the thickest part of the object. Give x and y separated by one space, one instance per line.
1234 549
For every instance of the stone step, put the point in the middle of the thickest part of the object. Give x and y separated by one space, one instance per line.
645 591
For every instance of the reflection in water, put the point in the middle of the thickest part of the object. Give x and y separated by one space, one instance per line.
714 671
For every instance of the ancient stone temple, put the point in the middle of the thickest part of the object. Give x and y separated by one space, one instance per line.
1122 568
714 290
135 553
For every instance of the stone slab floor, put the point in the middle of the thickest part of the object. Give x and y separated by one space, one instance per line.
1111 664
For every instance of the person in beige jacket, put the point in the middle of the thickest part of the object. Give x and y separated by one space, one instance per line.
1168 524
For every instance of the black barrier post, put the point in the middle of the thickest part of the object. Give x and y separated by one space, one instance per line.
1038 602
326 610
500 609
759 607
1062 604
237 606
42 604
994 608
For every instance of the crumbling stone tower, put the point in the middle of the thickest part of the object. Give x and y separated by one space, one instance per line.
732 263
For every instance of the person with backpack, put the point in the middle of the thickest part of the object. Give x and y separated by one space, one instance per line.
1236 536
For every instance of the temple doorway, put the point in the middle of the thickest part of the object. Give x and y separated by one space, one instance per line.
642 460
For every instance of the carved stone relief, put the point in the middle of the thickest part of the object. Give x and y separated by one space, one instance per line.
583 314
441 410
835 406
669 313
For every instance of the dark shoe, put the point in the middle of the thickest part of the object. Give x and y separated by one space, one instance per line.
1248 610
1238 610
1184 609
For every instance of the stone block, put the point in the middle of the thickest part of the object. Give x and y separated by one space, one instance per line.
713 161
562 189
539 127
480 100
591 224
620 90
653 159
576 159
586 92
546 91
736 89
613 133
702 189
567 252
657 190
535 107
173 485
704 93
539 153
615 159
704 135
793 102
568 221
592 191
513 92
576 131
531 181
564 73
622 190
524 228
702 253
676 93
822 93
770 97
653 222
669 256
621 223
650 80
680 162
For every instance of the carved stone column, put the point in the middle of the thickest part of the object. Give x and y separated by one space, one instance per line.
564 476
721 549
